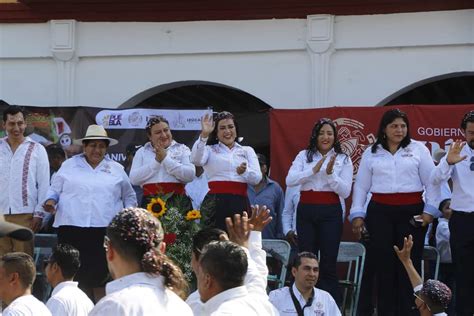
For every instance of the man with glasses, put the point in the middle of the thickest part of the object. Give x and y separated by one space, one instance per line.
458 165
60 269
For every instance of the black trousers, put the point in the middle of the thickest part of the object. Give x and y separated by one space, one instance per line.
461 226
387 226
319 230
223 205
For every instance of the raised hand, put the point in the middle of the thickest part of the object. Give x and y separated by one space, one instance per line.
260 217
242 168
318 166
404 253
330 166
454 153
238 229
207 125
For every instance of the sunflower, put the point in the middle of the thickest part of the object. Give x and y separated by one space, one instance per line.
157 207
192 215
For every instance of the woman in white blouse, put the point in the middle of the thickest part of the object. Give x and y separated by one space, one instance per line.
229 167
324 173
86 193
396 169
162 165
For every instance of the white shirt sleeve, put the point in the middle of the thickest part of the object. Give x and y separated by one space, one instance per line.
200 152
297 174
362 186
253 174
184 171
257 272
342 184
432 191
442 172
140 172
289 211
129 197
42 178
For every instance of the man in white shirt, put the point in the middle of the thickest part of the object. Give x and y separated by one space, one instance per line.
302 298
221 272
251 242
458 165
67 298
24 179
17 273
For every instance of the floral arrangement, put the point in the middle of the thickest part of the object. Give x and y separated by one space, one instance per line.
180 223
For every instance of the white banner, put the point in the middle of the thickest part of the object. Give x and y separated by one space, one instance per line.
185 120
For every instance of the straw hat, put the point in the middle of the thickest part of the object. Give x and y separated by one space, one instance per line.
14 231
95 132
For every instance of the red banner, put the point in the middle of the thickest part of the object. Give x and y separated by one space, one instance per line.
357 127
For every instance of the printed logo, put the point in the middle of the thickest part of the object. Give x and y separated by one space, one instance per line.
115 120
135 119
353 138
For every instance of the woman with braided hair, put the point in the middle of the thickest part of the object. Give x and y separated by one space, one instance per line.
146 281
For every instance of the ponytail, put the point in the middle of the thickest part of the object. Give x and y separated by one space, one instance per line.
155 262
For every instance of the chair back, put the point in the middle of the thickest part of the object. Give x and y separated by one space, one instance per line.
279 250
430 254
352 253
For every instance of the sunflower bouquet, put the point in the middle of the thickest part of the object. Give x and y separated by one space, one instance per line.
180 223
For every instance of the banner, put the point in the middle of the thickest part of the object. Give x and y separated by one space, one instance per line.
437 126
290 130
62 125
179 120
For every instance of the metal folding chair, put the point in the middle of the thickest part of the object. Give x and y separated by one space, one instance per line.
352 253
279 250
430 254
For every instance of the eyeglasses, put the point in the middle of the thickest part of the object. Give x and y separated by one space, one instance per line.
472 164
106 243
419 297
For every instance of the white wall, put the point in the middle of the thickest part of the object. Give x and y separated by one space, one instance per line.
295 63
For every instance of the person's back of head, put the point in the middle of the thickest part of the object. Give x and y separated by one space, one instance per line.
436 295
137 236
226 263
67 259
17 272
204 237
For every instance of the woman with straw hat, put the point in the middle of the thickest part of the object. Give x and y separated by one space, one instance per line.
86 193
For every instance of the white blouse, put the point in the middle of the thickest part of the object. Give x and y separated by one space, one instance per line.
339 182
88 197
408 170
175 168
220 162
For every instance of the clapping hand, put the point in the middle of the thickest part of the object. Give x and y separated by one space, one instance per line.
454 153
318 166
207 125
330 166
160 152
